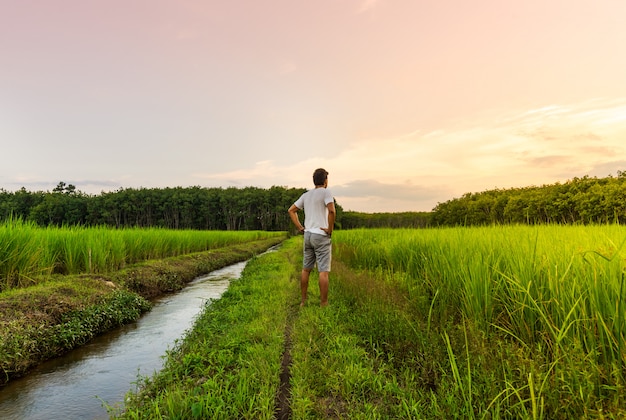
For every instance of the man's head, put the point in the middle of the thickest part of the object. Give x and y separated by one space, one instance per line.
319 177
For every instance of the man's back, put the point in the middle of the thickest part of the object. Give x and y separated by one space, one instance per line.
314 203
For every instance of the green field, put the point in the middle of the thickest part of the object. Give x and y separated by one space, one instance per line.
537 312
497 322
29 253
60 287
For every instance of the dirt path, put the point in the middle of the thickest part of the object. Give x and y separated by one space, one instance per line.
283 409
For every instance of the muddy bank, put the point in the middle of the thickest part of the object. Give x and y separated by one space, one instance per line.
65 312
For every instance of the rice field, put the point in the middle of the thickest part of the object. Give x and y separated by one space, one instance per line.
554 292
28 252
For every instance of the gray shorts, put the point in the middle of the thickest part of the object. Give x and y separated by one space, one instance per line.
317 248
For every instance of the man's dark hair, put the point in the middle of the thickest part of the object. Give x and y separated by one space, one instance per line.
319 176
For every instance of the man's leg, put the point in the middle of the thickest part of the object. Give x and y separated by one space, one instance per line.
304 285
324 288
308 263
323 255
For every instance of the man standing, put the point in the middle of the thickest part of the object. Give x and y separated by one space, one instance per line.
319 220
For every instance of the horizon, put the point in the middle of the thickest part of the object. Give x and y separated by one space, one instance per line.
406 104
286 187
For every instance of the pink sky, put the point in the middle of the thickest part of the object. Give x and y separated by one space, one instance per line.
406 103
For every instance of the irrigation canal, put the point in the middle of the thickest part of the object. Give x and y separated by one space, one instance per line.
77 385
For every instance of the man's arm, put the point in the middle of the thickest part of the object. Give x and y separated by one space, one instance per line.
293 214
331 218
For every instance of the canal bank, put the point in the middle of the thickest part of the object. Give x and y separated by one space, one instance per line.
87 381
232 363
47 320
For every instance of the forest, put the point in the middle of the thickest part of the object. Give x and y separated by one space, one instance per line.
406 219
247 208
586 200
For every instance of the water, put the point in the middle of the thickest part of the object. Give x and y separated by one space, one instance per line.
77 385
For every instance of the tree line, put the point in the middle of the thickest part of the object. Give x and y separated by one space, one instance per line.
585 200
578 201
355 220
232 208
196 207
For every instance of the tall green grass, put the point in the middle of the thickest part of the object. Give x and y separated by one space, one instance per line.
554 291
28 251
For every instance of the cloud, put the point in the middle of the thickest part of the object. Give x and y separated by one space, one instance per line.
387 196
88 186
373 188
261 173
549 161
418 169
608 168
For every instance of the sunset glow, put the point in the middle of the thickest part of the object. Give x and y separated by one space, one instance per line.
406 103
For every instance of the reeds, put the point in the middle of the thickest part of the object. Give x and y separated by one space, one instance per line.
28 251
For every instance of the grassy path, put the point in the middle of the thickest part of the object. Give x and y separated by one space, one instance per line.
255 354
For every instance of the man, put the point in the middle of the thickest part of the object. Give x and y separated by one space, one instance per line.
319 220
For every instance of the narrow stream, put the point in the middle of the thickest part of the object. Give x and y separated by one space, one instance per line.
77 385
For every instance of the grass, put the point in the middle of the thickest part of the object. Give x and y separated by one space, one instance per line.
502 322
28 252
62 312
481 323
535 283
542 301
228 365
53 317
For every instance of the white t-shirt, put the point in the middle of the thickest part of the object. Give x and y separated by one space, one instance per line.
315 211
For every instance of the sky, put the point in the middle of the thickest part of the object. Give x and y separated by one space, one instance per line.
406 103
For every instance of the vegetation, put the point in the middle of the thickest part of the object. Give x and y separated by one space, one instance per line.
517 314
28 252
228 365
155 277
355 220
529 318
61 312
584 200
247 208
494 322
46 320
